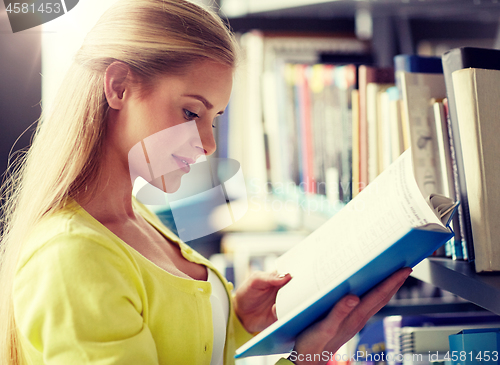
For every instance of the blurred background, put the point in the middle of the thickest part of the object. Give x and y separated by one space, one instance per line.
281 212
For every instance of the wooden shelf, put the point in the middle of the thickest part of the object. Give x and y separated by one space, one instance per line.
460 278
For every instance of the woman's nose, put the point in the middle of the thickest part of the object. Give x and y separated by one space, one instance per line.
208 141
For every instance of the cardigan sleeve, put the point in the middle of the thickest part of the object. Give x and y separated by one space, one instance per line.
76 301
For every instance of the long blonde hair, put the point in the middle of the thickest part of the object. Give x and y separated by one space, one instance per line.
152 37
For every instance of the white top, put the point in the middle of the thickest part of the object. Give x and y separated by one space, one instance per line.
220 314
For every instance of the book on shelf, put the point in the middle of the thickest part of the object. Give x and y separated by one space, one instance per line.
397 326
416 63
477 100
371 339
274 80
453 60
475 346
413 63
308 122
345 79
355 142
389 225
367 75
422 340
325 109
375 126
317 82
305 132
246 132
384 129
396 123
443 146
419 91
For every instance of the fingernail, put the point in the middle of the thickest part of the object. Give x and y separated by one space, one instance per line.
281 276
352 302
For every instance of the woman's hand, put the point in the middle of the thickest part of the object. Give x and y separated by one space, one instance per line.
346 319
255 300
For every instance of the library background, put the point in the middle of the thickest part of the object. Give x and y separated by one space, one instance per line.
328 94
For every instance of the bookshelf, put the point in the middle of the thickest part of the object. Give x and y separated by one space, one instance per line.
460 278
325 8
398 26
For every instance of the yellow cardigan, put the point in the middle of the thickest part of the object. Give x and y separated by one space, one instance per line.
83 296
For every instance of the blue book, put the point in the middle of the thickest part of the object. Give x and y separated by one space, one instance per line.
475 346
371 340
388 226
415 64
420 64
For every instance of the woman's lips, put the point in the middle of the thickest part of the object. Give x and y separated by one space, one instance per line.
183 163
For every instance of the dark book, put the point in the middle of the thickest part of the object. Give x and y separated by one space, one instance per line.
414 63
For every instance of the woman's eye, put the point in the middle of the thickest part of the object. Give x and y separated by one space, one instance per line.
190 115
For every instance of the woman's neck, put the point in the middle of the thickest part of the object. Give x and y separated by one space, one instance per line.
111 199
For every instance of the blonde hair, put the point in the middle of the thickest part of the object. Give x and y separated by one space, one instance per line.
152 37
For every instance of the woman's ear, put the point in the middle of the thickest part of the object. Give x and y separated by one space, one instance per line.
115 84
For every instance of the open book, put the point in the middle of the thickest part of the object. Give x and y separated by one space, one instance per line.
389 225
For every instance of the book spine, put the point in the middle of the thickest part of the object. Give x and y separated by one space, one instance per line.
310 182
317 92
476 97
291 122
392 331
365 72
300 132
458 225
345 79
355 142
452 61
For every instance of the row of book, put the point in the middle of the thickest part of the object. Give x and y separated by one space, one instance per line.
331 129
451 338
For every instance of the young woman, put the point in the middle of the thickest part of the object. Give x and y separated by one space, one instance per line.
89 275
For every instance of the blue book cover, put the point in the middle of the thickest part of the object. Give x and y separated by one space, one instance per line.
420 64
371 340
388 226
415 64
475 346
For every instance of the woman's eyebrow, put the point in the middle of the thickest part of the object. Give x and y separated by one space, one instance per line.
207 104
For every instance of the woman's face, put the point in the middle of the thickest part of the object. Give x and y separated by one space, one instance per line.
163 132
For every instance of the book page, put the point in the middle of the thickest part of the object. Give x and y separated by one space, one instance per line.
381 214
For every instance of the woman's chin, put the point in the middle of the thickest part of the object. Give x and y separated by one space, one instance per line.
170 182
172 188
